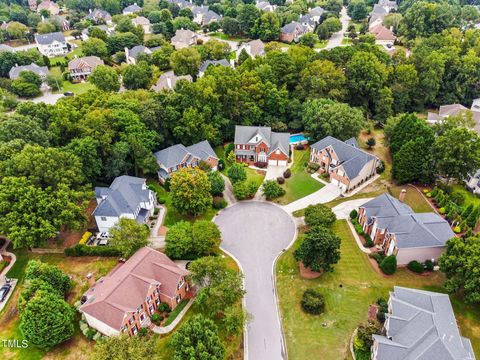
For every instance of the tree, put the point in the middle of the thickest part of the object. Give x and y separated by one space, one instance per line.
312 302
95 47
185 61
237 173
105 78
322 78
50 274
393 20
27 84
137 76
197 339
460 264
217 183
414 162
248 15
47 320
119 41
85 149
220 286
457 152
357 9
365 332
22 127
128 236
124 347
407 128
268 27
190 190
328 27
319 215
324 117
46 27
319 250
161 57
371 142
272 190
230 26
17 30
215 50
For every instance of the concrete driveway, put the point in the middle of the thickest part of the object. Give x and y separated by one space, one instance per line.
328 193
255 233
342 211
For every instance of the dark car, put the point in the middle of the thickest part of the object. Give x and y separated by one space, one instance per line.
68 93
4 290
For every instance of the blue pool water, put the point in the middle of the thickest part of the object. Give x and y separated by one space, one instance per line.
297 138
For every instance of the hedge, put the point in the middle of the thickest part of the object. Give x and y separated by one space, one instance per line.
84 250
415 266
389 265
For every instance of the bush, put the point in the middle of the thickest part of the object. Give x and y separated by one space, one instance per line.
319 215
429 265
457 229
415 266
353 214
229 148
377 257
428 195
221 164
272 190
90 333
442 210
84 250
389 265
300 147
358 229
156 319
219 202
313 166
237 173
260 164
142 332
312 302
287 173
425 191
365 332
280 180
381 167
164 307
244 190
368 241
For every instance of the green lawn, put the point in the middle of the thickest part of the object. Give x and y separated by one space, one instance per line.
300 184
76 88
469 197
348 291
253 175
223 36
77 52
413 198
358 25
320 44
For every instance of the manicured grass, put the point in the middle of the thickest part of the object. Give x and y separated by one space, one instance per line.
176 311
469 197
346 41
58 59
413 198
358 25
253 175
320 44
223 36
300 184
348 291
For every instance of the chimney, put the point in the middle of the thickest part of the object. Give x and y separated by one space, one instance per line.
90 279
401 197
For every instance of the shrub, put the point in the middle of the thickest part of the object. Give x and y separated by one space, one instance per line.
163 307
221 164
377 257
156 319
368 241
280 180
457 229
166 184
237 173
319 215
365 332
389 265
142 332
312 302
84 250
425 191
313 166
359 229
219 202
353 214
429 265
260 164
90 333
300 147
244 190
272 190
415 266
442 210
457 198
287 173
381 167
428 195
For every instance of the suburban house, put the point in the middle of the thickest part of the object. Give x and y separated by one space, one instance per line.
124 300
106 29
379 11
252 48
52 44
168 80
383 35
177 157
41 71
395 228
49 6
144 23
293 31
473 183
420 325
127 197
259 144
132 54
99 16
81 68
265 6
132 9
203 16
347 165
32 4
207 63
62 21
184 38
182 4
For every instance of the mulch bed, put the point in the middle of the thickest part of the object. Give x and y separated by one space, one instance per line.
306 273
372 312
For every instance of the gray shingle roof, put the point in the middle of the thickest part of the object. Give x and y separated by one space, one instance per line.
386 205
422 326
291 28
274 140
168 81
132 8
99 14
6 48
15 71
351 158
90 61
280 141
173 155
46 39
207 63
183 36
122 197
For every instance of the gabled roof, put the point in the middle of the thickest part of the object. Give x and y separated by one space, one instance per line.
141 20
293 27
204 66
451 110
126 287
280 141
351 158
379 9
173 155
421 326
317 11
386 205
86 61
382 33
168 80
47 39
132 8
274 140
122 197
99 14
183 36
49 6
15 71
139 49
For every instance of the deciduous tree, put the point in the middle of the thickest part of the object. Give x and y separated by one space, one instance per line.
190 190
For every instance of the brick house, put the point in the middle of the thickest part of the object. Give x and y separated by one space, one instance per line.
260 144
293 32
178 156
395 228
347 165
81 68
124 300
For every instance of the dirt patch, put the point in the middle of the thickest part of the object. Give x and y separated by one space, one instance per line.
306 273
372 312
71 238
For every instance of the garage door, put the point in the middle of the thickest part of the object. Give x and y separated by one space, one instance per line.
282 162
272 162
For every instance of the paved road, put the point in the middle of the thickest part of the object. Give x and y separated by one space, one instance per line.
328 193
50 99
255 233
336 39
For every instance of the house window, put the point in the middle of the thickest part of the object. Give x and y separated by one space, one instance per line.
180 283
157 301
151 308
148 298
134 330
178 298
142 317
132 320
103 218
139 308
277 152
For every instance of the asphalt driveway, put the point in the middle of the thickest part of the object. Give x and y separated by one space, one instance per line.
255 233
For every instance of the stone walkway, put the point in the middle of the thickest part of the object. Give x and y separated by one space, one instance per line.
158 241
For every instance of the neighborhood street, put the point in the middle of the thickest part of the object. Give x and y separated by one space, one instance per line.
336 39
255 233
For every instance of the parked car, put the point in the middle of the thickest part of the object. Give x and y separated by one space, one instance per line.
4 290
68 93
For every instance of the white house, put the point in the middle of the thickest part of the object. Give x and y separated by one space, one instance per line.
252 48
127 197
52 44
144 23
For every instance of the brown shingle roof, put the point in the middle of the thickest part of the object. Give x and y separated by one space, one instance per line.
382 33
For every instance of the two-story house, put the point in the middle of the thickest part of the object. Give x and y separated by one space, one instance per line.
50 6
252 48
420 325
259 144
99 16
132 9
293 31
184 38
81 68
144 23
124 300
347 165
52 44
177 157
41 71
127 197
399 231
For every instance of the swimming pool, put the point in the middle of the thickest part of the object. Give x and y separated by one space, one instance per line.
298 139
